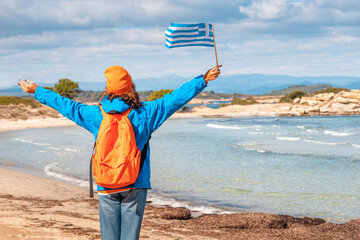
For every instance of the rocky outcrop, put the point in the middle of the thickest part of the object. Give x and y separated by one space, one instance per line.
317 99
343 103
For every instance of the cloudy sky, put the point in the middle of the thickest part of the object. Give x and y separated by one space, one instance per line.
44 40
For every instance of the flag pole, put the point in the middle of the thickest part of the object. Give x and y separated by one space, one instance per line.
217 63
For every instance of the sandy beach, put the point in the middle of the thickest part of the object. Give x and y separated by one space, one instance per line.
11 125
39 208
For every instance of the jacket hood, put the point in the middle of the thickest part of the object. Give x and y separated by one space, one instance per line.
116 105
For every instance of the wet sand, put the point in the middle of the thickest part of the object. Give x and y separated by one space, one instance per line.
32 207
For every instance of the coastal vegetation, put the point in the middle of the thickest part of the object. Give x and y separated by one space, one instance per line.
246 101
289 98
217 96
67 88
302 88
22 108
159 94
94 96
144 95
332 90
30 102
88 96
317 102
237 101
299 91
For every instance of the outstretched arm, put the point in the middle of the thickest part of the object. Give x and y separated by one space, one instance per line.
81 114
161 109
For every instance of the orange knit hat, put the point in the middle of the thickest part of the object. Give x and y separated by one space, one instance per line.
118 80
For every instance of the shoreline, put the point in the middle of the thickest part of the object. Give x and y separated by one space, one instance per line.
323 104
37 207
13 125
235 112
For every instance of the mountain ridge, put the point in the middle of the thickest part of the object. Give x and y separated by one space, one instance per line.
255 84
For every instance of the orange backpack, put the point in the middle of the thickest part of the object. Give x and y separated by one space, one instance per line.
117 160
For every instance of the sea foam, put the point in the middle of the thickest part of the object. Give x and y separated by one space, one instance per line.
323 143
31 142
50 146
339 134
256 150
49 171
158 200
218 126
288 138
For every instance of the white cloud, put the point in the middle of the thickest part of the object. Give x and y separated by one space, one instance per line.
95 38
346 39
43 15
267 9
47 40
307 17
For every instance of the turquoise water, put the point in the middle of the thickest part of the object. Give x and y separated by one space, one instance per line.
301 166
214 104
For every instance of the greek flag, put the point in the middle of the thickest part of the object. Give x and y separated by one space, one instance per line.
183 35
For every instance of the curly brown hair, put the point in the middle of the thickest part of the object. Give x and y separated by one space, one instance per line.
131 98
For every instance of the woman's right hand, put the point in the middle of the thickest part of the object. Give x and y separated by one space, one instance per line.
212 73
27 88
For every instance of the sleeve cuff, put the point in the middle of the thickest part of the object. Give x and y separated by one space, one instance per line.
37 92
204 79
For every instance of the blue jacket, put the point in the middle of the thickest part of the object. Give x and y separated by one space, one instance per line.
145 119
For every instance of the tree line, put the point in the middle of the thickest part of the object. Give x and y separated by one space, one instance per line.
70 89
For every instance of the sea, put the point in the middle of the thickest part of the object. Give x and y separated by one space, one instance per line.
299 166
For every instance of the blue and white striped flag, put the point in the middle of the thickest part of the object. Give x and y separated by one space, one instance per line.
183 35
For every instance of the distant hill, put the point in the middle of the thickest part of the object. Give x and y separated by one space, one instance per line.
303 88
260 84
92 86
17 91
353 85
12 91
256 84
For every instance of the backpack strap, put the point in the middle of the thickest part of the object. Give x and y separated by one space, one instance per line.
91 174
143 156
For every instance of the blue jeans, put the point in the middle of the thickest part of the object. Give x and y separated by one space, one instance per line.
120 219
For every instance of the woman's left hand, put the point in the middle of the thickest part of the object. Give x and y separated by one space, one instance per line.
27 88
212 73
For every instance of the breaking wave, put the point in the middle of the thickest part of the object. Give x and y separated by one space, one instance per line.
288 138
339 134
218 126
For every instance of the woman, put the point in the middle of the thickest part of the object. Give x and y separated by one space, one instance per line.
120 212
